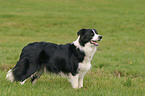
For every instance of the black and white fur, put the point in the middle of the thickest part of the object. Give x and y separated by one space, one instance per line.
73 59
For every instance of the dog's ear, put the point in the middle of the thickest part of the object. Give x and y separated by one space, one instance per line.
95 31
81 31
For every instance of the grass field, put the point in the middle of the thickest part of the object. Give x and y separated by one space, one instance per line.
118 67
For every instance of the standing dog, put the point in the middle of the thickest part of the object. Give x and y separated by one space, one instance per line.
73 59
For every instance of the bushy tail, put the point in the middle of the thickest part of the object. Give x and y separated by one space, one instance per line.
25 67
22 70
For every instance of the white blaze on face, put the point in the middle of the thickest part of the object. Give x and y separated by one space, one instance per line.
95 37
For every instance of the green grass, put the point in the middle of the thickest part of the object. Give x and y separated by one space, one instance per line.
118 67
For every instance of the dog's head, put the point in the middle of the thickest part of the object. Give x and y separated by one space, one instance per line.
89 36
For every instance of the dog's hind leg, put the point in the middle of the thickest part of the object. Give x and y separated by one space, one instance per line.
23 82
36 75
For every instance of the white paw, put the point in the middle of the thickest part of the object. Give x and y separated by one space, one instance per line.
75 86
81 85
22 82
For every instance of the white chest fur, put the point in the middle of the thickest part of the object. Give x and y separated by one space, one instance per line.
89 50
86 64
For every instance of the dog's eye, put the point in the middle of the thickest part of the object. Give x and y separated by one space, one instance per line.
92 33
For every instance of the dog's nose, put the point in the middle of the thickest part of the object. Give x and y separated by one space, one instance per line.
100 37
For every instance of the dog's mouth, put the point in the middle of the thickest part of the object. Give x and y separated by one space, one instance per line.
94 42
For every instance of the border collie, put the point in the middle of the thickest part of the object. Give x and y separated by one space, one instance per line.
73 59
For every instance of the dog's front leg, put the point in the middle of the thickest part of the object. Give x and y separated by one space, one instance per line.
81 77
74 80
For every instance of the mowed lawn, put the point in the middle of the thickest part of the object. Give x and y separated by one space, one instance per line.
118 67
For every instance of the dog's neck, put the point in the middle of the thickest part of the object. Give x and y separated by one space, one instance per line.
89 49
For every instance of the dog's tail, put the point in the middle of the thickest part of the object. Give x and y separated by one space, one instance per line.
22 70
10 76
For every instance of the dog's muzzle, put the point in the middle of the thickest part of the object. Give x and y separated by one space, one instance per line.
96 42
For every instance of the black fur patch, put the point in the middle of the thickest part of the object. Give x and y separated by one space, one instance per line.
56 58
